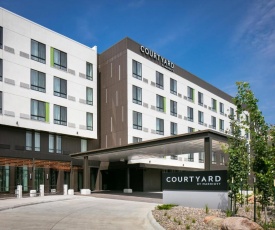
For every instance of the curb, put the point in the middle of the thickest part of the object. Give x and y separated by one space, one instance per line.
153 221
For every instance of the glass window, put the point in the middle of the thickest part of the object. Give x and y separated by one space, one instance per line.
191 130
1 102
83 145
1 69
174 128
28 140
173 108
1 37
221 125
190 93
200 98
58 144
160 103
89 121
221 108
89 96
221 159
214 104
231 113
173 86
213 122
89 71
201 157
190 114
137 120
38 110
51 143
60 87
159 80
191 157
137 139
59 59
5 179
137 95
60 115
160 126
200 118
36 141
137 70
38 81
38 51
214 158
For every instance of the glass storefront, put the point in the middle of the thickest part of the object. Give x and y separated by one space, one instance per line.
4 178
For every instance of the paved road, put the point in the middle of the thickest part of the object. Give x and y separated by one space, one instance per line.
76 212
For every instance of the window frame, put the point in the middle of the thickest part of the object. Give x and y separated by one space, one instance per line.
159 80
190 157
62 82
190 93
89 71
1 69
159 126
213 124
39 75
39 58
58 144
200 98
173 86
160 103
89 121
201 157
221 108
191 129
62 112
173 128
136 94
221 125
51 143
1 102
137 123
89 101
28 146
173 108
200 118
60 59
137 139
214 104
190 114
136 66
40 105
1 37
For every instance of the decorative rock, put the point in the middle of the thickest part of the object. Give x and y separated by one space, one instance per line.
208 218
213 221
235 223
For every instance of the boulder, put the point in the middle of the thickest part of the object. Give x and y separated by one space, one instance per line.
213 221
239 223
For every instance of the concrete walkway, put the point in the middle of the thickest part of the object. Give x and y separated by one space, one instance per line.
75 212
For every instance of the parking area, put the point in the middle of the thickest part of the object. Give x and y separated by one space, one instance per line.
76 212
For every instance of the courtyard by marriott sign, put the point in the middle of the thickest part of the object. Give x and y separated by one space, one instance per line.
197 180
163 61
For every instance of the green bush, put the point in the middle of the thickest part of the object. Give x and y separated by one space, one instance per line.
228 213
166 206
206 209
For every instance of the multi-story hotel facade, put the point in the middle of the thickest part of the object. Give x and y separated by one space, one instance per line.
59 97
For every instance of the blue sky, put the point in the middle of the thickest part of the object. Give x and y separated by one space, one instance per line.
220 41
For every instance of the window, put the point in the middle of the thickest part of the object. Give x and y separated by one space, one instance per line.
174 157
137 139
159 80
60 87
1 69
200 98
89 71
137 120
1 102
221 108
200 118
213 122
137 95
1 37
191 157
160 126
89 121
37 141
173 86
58 143
38 81
231 113
214 158
38 51
173 108
60 115
190 115
160 103
89 96
83 145
201 157
38 110
51 143
137 70
59 59
246 118
190 93
221 125
28 140
174 128
191 130
214 104
221 159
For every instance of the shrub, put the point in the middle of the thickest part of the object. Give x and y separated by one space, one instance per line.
166 206
247 208
228 213
206 209
187 226
193 221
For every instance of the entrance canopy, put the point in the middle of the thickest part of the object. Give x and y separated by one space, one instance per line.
206 141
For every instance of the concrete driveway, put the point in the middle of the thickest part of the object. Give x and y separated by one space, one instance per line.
76 212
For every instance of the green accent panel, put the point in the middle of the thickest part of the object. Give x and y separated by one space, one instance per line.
52 56
164 100
47 112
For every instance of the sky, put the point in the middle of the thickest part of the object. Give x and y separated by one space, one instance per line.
220 41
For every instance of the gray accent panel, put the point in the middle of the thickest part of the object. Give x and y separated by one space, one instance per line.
145 129
179 116
82 101
145 80
71 98
82 75
9 81
25 55
153 131
145 105
179 95
71 125
9 49
153 107
82 126
24 85
24 116
214 200
9 113
71 71
153 83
